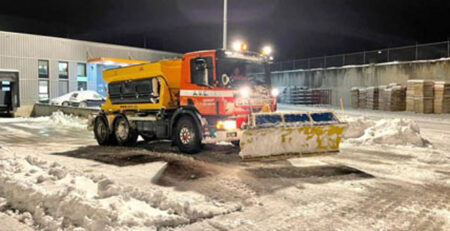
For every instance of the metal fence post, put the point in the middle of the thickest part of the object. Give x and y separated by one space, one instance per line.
387 52
417 52
448 48
364 57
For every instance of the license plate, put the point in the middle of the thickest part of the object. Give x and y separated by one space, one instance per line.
231 134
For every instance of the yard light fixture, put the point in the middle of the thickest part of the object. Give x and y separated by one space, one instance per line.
240 46
237 45
267 50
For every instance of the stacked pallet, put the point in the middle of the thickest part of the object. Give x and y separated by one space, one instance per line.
419 96
438 97
306 96
362 98
372 98
395 98
446 99
441 97
382 97
355 97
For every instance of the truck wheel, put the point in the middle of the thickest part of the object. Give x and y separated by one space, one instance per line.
124 133
187 136
102 132
65 104
235 143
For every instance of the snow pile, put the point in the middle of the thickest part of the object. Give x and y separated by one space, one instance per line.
385 131
57 118
69 121
56 198
356 127
51 197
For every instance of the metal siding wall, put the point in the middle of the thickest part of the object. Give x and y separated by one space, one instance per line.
22 52
27 76
73 85
53 77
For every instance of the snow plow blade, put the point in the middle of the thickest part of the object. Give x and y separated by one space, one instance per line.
289 135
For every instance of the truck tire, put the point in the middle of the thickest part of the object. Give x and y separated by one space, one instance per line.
187 136
123 132
236 143
102 132
65 104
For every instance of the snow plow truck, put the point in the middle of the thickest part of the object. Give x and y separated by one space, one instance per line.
206 97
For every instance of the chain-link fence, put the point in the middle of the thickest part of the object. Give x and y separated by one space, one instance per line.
406 53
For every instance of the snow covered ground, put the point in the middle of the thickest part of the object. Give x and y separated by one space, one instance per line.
392 174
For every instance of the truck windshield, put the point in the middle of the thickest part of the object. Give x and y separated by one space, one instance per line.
232 73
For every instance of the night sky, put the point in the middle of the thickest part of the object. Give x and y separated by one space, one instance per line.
295 28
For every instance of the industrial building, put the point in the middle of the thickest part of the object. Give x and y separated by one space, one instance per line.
49 67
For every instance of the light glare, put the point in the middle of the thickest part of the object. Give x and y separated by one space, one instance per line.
245 92
237 45
275 92
267 50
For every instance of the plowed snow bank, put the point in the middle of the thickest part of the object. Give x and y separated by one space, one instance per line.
52 197
70 121
386 131
56 119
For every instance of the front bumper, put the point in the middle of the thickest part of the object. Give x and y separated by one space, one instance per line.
224 135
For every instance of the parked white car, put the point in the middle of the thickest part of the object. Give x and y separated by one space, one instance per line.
79 99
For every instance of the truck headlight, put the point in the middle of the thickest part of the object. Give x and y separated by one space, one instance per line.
226 125
244 92
275 92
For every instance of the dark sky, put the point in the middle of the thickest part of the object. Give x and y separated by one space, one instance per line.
295 28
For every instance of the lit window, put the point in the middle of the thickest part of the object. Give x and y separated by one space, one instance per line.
43 91
81 69
43 68
63 70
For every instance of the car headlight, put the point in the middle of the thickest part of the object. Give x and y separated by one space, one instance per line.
226 124
275 92
245 92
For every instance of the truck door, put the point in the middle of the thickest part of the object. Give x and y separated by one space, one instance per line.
198 88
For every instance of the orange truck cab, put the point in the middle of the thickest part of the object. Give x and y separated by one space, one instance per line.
207 96
225 86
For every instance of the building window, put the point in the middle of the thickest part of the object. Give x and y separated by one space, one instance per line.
81 69
43 91
43 68
82 86
63 70
81 77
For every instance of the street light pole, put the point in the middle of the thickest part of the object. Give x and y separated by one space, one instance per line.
225 6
